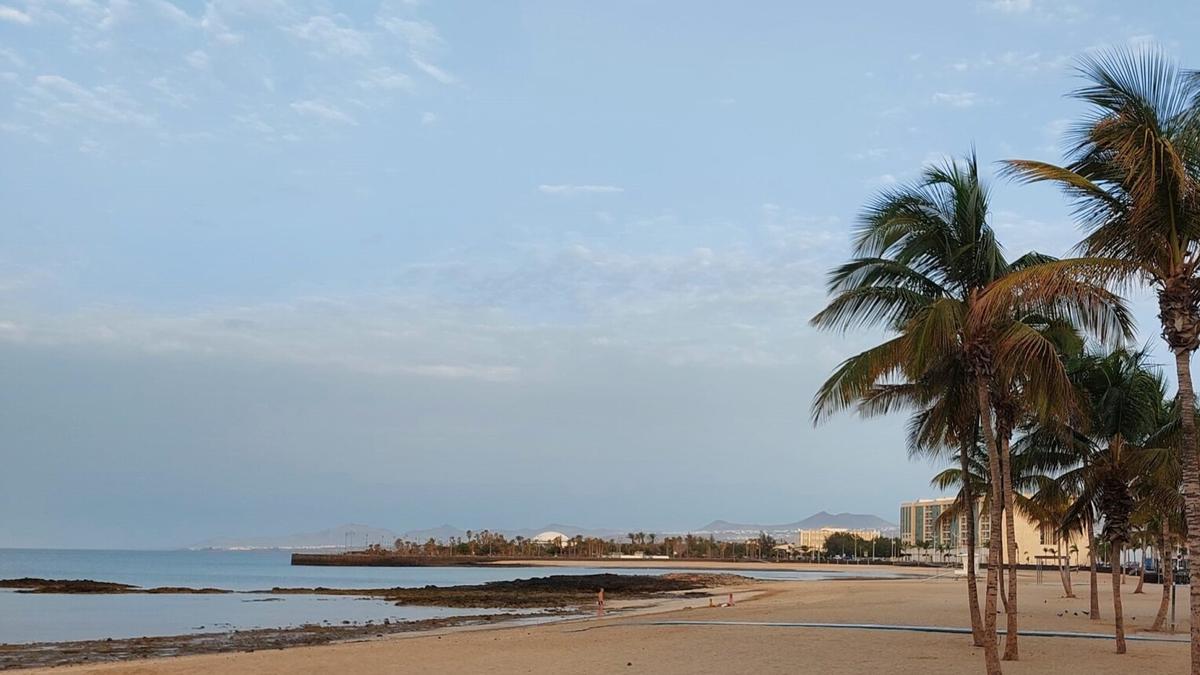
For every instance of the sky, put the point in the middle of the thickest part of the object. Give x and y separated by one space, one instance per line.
267 266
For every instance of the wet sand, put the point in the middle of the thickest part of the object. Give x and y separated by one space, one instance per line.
550 597
626 644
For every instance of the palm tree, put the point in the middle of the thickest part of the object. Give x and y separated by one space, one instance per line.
1124 399
967 324
1014 348
1132 172
1031 461
1064 446
1140 539
1160 503
1168 525
921 252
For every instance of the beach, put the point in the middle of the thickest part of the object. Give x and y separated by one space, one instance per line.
628 642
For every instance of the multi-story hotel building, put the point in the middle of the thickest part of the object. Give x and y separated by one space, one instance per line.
815 539
921 521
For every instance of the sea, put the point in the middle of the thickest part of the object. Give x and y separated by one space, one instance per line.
29 617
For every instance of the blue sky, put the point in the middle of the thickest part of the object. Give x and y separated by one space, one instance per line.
270 266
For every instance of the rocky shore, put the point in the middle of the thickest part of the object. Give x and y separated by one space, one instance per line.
47 654
543 597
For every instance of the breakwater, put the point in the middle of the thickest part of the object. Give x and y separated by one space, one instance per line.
386 560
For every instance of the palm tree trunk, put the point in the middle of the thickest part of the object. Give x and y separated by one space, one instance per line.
991 652
1141 575
1191 493
968 496
999 532
1064 571
1093 582
1166 575
1003 581
1011 651
1118 615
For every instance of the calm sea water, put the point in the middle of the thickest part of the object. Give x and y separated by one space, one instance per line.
43 618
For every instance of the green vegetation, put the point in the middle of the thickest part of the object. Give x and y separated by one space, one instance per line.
1019 371
485 543
845 544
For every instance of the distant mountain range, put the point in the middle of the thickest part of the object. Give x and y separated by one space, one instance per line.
352 535
444 532
357 536
849 521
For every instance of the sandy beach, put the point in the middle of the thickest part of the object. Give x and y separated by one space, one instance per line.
630 643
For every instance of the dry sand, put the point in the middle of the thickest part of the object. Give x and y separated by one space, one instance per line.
617 644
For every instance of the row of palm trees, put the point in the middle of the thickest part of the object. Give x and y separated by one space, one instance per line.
1116 465
1004 363
495 544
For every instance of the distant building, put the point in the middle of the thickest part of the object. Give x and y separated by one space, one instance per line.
921 521
815 539
944 536
553 538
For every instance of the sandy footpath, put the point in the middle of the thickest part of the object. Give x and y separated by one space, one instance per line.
619 644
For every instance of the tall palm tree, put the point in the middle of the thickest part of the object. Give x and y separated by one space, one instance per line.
926 260
1015 353
1124 399
1132 172
1030 464
1048 507
1160 502
1064 446
920 252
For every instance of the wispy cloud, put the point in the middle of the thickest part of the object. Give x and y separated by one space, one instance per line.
1055 10
11 57
213 24
190 58
423 42
385 78
571 189
171 95
435 72
14 15
331 38
197 59
421 37
870 154
1017 61
496 320
66 100
1011 6
959 99
324 111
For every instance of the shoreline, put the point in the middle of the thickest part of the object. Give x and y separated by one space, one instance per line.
866 571
137 651
554 598
300 559
764 631
122 650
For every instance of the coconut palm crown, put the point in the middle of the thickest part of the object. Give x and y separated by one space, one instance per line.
1133 173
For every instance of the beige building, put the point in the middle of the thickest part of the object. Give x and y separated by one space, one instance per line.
814 540
932 535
